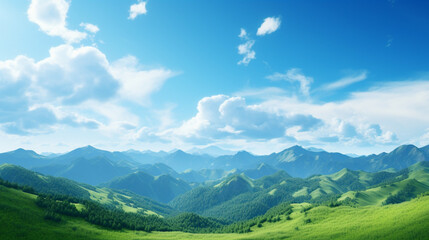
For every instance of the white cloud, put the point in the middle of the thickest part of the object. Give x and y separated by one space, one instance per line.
138 84
245 49
346 81
70 84
294 75
243 33
90 27
222 117
392 113
51 16
137 9
270 25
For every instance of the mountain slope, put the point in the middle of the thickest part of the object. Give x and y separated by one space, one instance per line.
126 201
201 198
161 188
20 218
23 158
89 152
93 170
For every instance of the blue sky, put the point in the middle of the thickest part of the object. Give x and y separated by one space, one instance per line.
347 76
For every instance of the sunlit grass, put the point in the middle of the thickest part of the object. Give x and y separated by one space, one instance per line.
20 218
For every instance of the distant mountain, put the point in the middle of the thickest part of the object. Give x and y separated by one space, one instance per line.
240 160
213 151
93 170
402 157
313 149
181 161
297 161
204 175
161 188
24 158
158 169
145 157
262 171
90 152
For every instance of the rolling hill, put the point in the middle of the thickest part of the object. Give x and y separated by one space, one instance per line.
257 196
21 218
124 200
161 188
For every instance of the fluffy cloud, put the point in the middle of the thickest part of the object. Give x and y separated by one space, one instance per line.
222 116
137 84
391 113
38 95
362 123
73 75
137 9
51 16
245 49
294 75
270 25
90 27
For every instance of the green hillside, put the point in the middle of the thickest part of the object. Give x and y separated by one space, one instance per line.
21 218
161 188
415 181
254 197
125 200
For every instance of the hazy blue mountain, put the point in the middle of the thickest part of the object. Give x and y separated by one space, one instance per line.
181 161
213 151
145 157
402 157
261 171
313 149
93 170
89 152
24 158
204 175
158 169
160 188
240 160
299 162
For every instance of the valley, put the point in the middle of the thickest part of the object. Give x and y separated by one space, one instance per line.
236 203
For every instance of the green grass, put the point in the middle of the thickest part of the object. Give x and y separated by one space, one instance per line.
377 195
20 218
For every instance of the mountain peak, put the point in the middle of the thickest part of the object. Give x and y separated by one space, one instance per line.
404 149
297 148
89 147
179 152
243 154
22 151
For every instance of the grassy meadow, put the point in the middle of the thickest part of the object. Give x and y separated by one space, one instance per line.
20 218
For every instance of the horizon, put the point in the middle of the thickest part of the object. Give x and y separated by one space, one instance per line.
189 151
348 77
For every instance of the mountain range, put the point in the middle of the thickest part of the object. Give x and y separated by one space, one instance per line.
94 166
